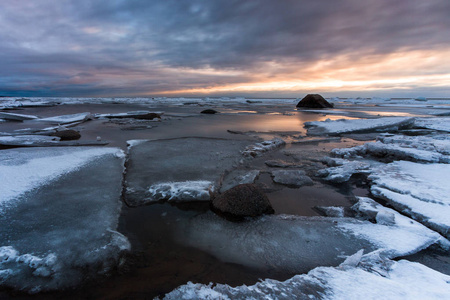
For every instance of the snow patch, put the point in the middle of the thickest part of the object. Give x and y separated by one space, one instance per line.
181 191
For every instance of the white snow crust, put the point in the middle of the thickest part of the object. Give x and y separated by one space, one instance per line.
441 124
260 148
65 119
181 191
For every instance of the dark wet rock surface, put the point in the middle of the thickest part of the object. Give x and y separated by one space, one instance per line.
244 200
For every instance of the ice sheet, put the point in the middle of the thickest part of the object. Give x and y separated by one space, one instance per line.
59 214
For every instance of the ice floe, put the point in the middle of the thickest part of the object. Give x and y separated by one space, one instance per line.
16 117
441 124
358 125
260 148
298 244
175 166
295 178
237 177
66 119
341 169
59 212
369 276
419 190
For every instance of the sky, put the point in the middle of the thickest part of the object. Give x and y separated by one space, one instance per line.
257 48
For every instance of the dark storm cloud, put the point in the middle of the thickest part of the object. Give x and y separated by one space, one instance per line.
46 45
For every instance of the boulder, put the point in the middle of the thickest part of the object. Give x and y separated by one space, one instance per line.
209 111
67 135
244 200
314 101
149 116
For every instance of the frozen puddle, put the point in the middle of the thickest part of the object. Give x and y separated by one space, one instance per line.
59 210
297 244
183 169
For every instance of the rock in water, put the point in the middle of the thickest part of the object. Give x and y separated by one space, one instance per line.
244 200
67 135
314 101
209 111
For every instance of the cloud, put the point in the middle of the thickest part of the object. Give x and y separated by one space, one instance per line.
152 47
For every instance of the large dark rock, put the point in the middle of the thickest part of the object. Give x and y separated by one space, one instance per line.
244 200
149 116
67 135
209 111
314 101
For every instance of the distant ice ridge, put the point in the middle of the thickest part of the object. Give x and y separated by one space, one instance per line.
199 190
369 276
59 215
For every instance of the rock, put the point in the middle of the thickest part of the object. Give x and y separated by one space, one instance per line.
149 116
244 200
67 135
295 178
209 111
314 101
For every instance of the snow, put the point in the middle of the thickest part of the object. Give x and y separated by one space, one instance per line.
59 212
259 148
358 125
65 119
442 124
418 190
373 277
181 191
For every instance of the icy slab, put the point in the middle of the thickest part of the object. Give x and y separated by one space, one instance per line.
298 244
423 150
359 125
259 148
66 119
365 277
237 177
173 168
295 178
441 124
26 140
343 170
199 190
134 114
59 210
418 190
439 143
16 117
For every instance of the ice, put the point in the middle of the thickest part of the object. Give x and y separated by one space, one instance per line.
296 178
59 211
16 117
441 124
181 191
358 125
27 140
298 244
390 148
237 177
373 277
154 164
344 170
259 148
418 190
66 119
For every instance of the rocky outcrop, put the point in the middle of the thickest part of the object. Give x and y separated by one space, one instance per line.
314 101
209 111
244 200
